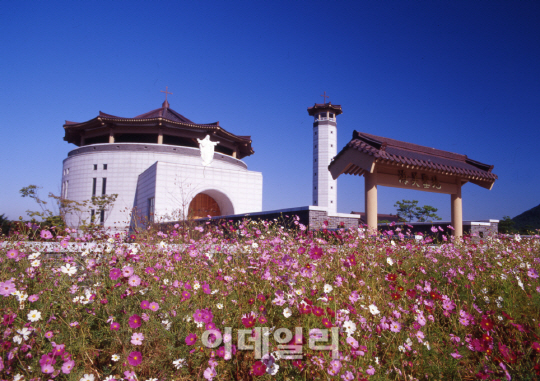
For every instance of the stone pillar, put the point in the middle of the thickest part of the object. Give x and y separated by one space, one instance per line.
371 201
111 135
160 137
457 212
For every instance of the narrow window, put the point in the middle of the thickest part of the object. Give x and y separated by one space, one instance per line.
105 167
331 115
94 183
151 207
66 189
101 216
315 160
95 167
92 215
104 186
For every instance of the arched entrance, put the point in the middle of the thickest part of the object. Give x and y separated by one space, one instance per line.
203 205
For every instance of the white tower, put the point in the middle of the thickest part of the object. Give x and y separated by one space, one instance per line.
324 150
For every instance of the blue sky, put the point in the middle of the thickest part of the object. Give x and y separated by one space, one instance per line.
460 76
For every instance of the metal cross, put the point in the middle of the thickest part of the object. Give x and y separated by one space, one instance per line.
324 97
166 92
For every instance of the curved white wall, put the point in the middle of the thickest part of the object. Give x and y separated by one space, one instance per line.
172 174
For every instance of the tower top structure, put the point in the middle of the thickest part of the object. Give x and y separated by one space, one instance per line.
322 107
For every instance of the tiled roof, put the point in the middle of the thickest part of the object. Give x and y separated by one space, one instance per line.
387 150
324 106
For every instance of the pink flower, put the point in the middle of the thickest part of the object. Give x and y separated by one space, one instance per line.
395 326
456 355
135 358
68 365
12 254
127 271
134 281
114 274
135 321
334 368
191 339
7 287
145 317
49 335
33 298
45 234
47 368
154 306
115 326
370 370
209 373
137 338
532 273
145 304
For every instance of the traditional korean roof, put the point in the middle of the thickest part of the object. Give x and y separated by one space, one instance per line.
318 107
161 117
396 152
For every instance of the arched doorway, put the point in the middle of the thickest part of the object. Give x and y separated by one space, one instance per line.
203 205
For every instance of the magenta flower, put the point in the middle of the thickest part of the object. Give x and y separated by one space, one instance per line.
47 359
114 274
135 321
135 358
45 234
49 335
127 271
149 270
58 349
532 273
334 368
185 295
191 339
145 304
259 368
370 370
154 306
115 326
134 281
68 365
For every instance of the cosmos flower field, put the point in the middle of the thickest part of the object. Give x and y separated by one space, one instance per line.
268 301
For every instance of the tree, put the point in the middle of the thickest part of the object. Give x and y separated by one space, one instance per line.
409 210
5 224
506 225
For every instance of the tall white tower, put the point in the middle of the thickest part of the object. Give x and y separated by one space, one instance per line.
324 150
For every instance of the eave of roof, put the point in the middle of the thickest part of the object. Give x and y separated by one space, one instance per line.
395 152
318 107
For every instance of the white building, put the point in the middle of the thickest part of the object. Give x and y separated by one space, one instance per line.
154 163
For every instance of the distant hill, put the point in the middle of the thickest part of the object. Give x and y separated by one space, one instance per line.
528 220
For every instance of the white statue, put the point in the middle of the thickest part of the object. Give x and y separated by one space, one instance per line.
207 150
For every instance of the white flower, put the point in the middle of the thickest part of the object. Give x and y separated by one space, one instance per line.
179 363
272 369
196 286
115 357
349 326
167 324
87 377
17 339
254 245
389 260
34 315
499 317
393 244
298 291
503 276
152 379
287 312
21 295
426 343
35 263
34 255
24 332
373 309
68 269
110 240
486 298
18 377
517 237
219 306
327 288
401 348
408 341
110 378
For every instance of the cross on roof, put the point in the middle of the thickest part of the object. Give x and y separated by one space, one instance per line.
324 97
166 92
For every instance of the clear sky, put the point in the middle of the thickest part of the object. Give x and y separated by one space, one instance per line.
462 76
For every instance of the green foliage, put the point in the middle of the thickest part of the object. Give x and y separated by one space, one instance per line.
506 226
5 225
65 206
409 210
